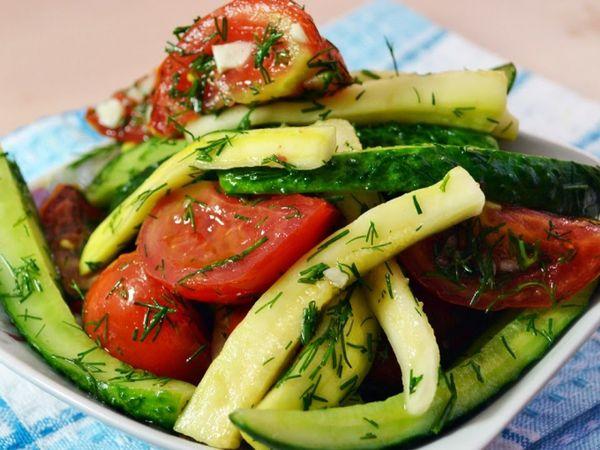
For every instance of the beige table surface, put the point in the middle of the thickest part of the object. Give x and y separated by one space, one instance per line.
57 55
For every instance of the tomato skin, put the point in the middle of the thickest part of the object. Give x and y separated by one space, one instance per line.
264 237
134 128
567 260
113 313
227 318
247 21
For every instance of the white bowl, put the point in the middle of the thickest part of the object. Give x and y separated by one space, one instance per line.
473 434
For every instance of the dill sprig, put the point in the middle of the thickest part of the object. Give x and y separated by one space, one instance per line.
413 382
221 30
328 70
309 322
196 353
225 261
90 367
332 339
26 278
527 254
270 303
468 253
313 273
449 381
264 44
460 110
275 159
369 236
328 242
154 318
390 47
352 271
215 147
142 197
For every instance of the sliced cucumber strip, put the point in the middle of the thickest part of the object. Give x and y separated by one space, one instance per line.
562 187
32 299
405 324
394 133
466 99
333 364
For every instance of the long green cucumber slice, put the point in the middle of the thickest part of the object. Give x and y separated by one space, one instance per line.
31 297
129 163
562 187
395 133
462 389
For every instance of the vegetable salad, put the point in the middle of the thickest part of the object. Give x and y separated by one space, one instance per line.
278 251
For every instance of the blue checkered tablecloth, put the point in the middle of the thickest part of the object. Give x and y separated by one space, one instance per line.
565 414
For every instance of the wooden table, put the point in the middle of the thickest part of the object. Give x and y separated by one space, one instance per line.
64 54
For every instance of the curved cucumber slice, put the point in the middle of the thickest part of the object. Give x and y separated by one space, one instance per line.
404 322
119 171
341 350
30 295
333 364
468 385
562 187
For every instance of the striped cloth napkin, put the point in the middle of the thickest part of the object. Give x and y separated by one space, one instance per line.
565 414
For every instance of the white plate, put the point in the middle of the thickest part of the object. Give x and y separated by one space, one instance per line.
473 434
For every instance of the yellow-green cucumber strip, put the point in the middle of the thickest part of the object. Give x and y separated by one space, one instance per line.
467 99
333 363
405 324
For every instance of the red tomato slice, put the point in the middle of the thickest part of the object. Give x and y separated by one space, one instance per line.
508 257
284 53
137 320
208 246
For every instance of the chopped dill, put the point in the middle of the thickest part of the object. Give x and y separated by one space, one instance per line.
270 303
328 242
226 261
264 45
417 205
313 273
390 47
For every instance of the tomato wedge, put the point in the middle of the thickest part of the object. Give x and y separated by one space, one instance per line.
508 257
247 51
211 247
137 320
